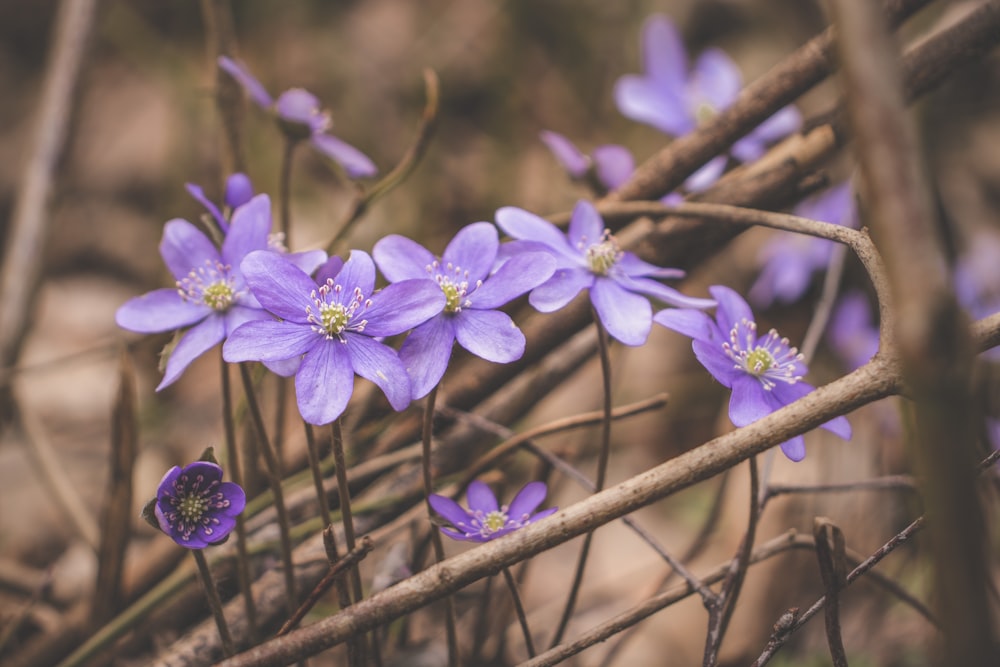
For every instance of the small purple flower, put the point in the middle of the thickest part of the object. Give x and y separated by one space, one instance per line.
589 258
609 165
239 191
472 297
300 116
333 327
676 100
852 334
790 260
764 371
485 519
211 295
195 507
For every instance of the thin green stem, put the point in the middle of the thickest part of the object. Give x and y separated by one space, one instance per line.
602 470
214 602
428 433
236 473
519 610
274 477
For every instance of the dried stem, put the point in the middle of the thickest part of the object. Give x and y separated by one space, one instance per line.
522 619
832 568
214 603
340 461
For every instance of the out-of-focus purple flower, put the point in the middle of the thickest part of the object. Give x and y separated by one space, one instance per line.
485 519
301 117
675 100
472 297
764 371
589 258
195 507
333 327
211 295
852 334
789 260
239 191
977 280
609 166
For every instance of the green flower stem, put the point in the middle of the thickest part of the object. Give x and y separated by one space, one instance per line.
427 435
236 473
602 470
519 610
274 477
214 602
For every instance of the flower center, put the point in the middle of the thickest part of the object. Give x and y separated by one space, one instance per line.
492 522
604 255
192 505
211 284
770 359
454 282
331 319
704 112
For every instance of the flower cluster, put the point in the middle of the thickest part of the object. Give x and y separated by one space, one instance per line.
486 519
763 370
195 507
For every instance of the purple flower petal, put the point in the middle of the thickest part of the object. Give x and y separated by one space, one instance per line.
663 56
379 364
632 266
400 258
664 293
403 305
199 195
301 107
642 100
707 175
247 81
239 190
716 79
749 401
195 342
324 383
354 162
279 285
527 500
426 352
627 316
560 289
160 310
481 498
450 510
794 449
541 515
185 248
586 226
569 156
614 165
269 340
716 362
248 230
732 308
520 274
692 323
490 335
358 273
521 224
473 250
237 316
310 260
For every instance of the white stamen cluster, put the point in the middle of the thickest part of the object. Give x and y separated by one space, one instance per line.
332 319
210 284
603 255
454 282
771 360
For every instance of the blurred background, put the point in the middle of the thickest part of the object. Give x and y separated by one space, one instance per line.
146 123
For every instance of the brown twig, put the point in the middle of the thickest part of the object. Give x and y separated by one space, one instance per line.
832 568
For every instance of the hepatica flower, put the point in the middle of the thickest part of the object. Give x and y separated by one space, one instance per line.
239 191
852 334
195 507
609 166
486 519
210 296
588 257
764 371
333 327
300 116
675 99
472 296
790 260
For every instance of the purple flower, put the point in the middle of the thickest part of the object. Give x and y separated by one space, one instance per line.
609 165
300 116
675 100
211 295
764 371
472 297
239 191
791 259
333 327
589 258
852 334
195 507
485 519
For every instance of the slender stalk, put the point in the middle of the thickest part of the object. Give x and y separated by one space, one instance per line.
340 462
602 469
317 475
519 610
274 477
285 191
427 435
214 602
236 473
